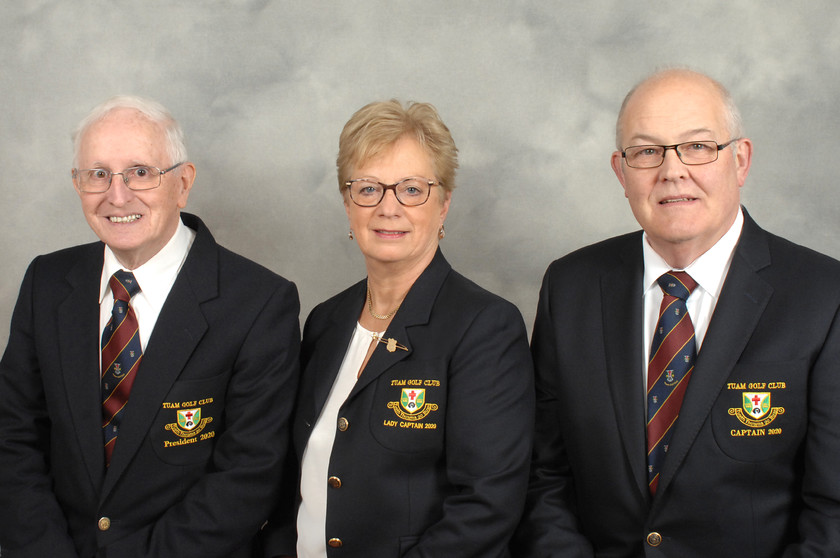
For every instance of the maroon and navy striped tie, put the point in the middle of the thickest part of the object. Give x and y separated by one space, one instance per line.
121 355
672 356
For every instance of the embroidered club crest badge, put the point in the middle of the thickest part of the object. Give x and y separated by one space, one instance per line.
189 418
756 404
413 399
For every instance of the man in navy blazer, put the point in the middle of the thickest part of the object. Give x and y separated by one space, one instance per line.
199 453
752 464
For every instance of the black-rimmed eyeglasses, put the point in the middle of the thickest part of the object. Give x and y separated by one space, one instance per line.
411 191
689 152
142 177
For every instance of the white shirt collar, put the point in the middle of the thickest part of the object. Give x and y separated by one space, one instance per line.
157 275
709 270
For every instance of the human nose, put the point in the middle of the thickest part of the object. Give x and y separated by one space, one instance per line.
389 204
672 166
123 177
119 193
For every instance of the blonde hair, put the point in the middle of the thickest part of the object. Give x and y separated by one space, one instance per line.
376 127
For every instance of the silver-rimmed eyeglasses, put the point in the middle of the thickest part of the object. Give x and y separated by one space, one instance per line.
689 152
141 177
411 191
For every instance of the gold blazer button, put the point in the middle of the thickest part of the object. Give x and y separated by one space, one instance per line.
654 539
104 523
335 543
343 424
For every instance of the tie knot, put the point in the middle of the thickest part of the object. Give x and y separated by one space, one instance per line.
677 283
124 285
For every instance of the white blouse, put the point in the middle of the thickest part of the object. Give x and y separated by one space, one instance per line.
312 514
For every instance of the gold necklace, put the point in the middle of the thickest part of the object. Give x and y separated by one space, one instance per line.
387 316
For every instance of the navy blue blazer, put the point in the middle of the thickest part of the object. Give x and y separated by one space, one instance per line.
734 483
447 476
226 342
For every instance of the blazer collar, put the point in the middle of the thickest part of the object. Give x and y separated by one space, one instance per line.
742 302
414 310
177 332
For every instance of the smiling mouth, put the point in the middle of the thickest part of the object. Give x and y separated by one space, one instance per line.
125 219
676 200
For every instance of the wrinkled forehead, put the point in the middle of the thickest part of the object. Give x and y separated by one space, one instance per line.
674 109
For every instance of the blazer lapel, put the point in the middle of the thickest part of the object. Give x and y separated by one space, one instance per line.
415 310
79 339
622 296
179 328
742 301
331 346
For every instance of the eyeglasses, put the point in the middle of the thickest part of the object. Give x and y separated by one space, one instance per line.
411 191
142 177
689 152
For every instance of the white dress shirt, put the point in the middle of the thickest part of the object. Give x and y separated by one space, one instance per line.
708 271
155 278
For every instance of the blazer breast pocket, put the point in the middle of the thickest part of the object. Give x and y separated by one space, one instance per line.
187 423
410 405
761 411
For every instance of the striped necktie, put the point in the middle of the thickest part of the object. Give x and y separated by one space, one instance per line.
121 355
672 356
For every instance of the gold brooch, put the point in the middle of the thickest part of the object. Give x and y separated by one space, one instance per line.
390 344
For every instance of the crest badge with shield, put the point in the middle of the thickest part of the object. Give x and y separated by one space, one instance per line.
413 399
189 418
756 404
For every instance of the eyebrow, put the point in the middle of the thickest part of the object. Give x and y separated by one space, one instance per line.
98 165
685 135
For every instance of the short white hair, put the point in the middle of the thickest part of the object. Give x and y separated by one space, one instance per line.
154 111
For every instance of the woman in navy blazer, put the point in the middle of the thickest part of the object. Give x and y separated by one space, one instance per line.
415 413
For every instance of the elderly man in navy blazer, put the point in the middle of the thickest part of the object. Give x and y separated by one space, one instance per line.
688 375
146 389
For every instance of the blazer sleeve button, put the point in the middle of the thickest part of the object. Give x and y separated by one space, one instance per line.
654 539
343 424
335 543
104 523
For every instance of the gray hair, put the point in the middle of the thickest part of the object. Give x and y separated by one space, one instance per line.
734 122
154 111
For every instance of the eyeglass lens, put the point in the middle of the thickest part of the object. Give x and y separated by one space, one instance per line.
690 153
411 191
136 178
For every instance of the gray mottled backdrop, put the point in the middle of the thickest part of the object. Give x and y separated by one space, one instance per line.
530 91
